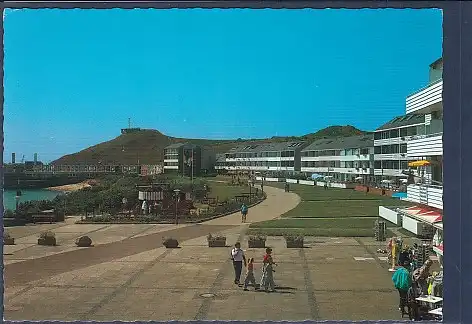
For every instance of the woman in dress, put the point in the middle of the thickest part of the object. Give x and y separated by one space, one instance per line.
267 279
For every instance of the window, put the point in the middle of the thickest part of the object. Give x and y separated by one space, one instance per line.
403 165
403 132
403 148
377 165
377 149
377 135
364 151
394 133
385 134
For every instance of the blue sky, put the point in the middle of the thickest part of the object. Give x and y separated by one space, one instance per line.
74 77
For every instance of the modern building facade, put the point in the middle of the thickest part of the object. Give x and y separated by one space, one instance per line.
275 157
343 158
188 159
426 147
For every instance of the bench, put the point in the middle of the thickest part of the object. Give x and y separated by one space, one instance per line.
44 219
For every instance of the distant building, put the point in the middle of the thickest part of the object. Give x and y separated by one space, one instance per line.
188 159
151 169
130 130
343 158
274 157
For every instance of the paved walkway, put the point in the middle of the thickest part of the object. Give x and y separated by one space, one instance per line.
277 203
137 279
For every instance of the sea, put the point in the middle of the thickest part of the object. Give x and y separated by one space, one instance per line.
27 195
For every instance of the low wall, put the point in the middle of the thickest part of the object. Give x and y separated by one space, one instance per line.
292 180
390 215
306 182
361 188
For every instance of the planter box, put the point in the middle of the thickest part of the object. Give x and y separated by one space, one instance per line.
217 243
8 241
294 244
50 241
258 244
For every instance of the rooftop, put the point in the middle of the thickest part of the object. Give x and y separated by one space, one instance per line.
402 121
269 147
358 141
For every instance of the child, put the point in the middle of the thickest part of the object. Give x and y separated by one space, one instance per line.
250 275
402 281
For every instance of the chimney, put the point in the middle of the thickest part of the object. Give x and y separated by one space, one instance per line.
13 158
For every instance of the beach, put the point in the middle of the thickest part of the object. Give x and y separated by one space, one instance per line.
72 187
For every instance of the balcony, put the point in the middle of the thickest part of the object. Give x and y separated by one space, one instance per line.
425 145
425 100
429 195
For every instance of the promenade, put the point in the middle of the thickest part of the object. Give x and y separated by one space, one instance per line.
128 275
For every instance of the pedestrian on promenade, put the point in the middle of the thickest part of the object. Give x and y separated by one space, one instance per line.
244 210
250 279
238 257
402 281
267 278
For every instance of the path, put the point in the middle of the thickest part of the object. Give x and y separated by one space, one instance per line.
277 203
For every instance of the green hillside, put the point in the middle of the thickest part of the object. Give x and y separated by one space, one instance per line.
146 146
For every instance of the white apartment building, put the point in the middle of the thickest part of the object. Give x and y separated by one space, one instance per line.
268 157
343 158
426 144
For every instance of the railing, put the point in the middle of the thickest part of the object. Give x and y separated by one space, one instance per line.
425 145
430 195
425 97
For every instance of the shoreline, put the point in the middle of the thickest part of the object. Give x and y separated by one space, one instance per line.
71 187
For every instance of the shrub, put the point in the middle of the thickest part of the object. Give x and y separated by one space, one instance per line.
7 239
294 241
83 241
47 235
47 238
257 237
170 243
216 237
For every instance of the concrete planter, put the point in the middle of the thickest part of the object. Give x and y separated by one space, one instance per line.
8 241
217 243
294 243
47 241
256 244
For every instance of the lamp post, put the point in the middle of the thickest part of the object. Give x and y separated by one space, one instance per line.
17 199
124 201
176 195
249 182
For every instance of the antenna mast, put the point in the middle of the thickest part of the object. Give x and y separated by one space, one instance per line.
129 122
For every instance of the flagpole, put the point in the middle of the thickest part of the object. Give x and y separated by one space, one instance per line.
192 165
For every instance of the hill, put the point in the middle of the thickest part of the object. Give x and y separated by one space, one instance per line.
146 146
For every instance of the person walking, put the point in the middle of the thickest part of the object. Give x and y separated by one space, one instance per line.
238 257
250 279
267 278
244 210
402 281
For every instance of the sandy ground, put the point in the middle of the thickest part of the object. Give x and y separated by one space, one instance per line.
72 187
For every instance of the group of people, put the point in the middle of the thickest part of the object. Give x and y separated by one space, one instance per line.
267 276
410 285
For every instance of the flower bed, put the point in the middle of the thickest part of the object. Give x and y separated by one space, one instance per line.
47 238
257 241
216 241
294 241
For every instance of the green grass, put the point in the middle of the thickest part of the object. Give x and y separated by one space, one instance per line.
225 191
343 208
361 222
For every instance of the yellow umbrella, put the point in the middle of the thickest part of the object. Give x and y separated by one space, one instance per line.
420 163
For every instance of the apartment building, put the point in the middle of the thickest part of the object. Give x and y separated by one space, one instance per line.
270 157
424 143
343 158
188 159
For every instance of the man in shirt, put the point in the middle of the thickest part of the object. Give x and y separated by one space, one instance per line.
238 258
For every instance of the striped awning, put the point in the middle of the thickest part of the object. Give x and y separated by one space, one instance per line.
419 163
423 214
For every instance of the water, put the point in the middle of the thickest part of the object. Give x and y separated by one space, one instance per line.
27 195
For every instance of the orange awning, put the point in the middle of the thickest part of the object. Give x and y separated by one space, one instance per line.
420 163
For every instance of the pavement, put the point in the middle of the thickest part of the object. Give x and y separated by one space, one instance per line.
128 275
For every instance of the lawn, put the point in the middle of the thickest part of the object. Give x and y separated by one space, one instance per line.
342 227
342 208
333 212
225 191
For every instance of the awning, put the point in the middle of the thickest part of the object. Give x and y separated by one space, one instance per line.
420 163
425 215
439 249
